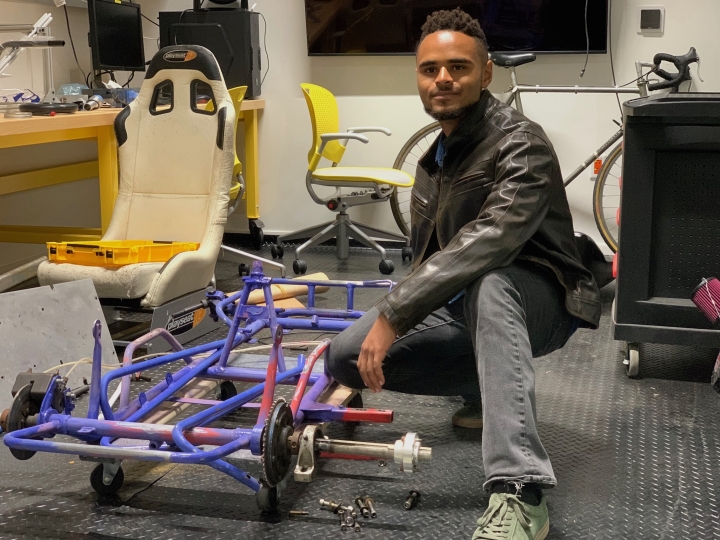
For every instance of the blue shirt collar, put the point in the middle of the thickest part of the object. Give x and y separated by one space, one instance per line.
441 150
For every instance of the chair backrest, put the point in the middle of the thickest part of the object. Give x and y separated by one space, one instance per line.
175 153
325 119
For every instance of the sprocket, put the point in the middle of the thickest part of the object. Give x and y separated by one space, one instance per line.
275 451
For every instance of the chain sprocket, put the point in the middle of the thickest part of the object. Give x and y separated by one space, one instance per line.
275 451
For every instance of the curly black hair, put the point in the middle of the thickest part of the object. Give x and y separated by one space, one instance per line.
457 21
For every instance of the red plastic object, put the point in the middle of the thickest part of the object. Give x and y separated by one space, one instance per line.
617 217
615 266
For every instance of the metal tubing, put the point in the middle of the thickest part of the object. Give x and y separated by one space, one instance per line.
24 439
307 369
96 373
585 164
142 432
147 364
376 450
269 391
243 374
128 357
575 89
309 399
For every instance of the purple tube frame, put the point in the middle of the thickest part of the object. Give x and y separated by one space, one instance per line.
188 434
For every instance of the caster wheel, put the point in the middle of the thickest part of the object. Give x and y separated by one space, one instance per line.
256 235
277 251
632 361
299 266
386 267
406 253
243 269
97 483
225 391
268 499
22 407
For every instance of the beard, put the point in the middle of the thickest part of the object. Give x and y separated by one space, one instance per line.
453 114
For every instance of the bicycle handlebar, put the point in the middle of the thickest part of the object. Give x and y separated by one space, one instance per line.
681 63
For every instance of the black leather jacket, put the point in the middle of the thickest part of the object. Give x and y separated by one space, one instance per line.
499 196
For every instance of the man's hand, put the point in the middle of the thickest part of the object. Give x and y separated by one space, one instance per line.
373 351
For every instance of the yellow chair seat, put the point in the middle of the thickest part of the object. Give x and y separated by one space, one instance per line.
378 175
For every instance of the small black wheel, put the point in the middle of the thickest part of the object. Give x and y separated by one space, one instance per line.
299 266
226 390
386 267
243 269
256 235
407 253
268 499
96 481
22 407
277 251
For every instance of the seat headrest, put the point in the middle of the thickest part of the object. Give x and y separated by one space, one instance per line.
185 57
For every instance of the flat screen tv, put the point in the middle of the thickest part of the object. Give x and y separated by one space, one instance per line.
388 27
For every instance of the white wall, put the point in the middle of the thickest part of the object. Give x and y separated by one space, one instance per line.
381 91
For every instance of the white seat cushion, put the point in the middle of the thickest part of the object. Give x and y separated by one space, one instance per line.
131 281
377 175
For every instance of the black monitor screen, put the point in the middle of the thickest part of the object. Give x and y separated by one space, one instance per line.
116 35
393 26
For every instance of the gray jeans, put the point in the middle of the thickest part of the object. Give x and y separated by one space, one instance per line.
482 343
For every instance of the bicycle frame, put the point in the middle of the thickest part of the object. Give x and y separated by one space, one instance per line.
641 90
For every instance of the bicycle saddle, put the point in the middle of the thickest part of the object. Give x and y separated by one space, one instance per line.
511 59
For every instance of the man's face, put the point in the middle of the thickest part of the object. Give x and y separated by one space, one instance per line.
450 73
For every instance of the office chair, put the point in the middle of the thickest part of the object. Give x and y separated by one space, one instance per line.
175 163
369 185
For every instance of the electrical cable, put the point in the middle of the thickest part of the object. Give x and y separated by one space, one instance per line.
587 40
130 78
612 64
149 19
72 44
267 55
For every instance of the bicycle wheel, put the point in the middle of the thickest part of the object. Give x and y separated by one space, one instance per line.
606 197
407 161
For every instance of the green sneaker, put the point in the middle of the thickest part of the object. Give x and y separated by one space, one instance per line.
508 518
470 416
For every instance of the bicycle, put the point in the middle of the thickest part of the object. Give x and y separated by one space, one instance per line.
606 193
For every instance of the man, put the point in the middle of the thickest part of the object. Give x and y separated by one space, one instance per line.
496 280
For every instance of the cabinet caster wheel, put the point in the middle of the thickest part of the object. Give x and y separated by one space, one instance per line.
277 251
256 235
97 481
225 391
243 269
632 360
299 266
406 253
386 267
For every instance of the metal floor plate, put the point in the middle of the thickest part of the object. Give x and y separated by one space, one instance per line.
633 458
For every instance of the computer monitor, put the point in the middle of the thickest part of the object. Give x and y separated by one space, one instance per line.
116 35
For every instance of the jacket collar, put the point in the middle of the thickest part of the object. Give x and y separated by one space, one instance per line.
462 135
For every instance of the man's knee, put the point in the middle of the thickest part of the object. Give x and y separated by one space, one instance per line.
341 363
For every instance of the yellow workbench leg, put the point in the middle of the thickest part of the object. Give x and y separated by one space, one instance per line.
108 173
252 187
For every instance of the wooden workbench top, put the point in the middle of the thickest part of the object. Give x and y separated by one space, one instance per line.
80 119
